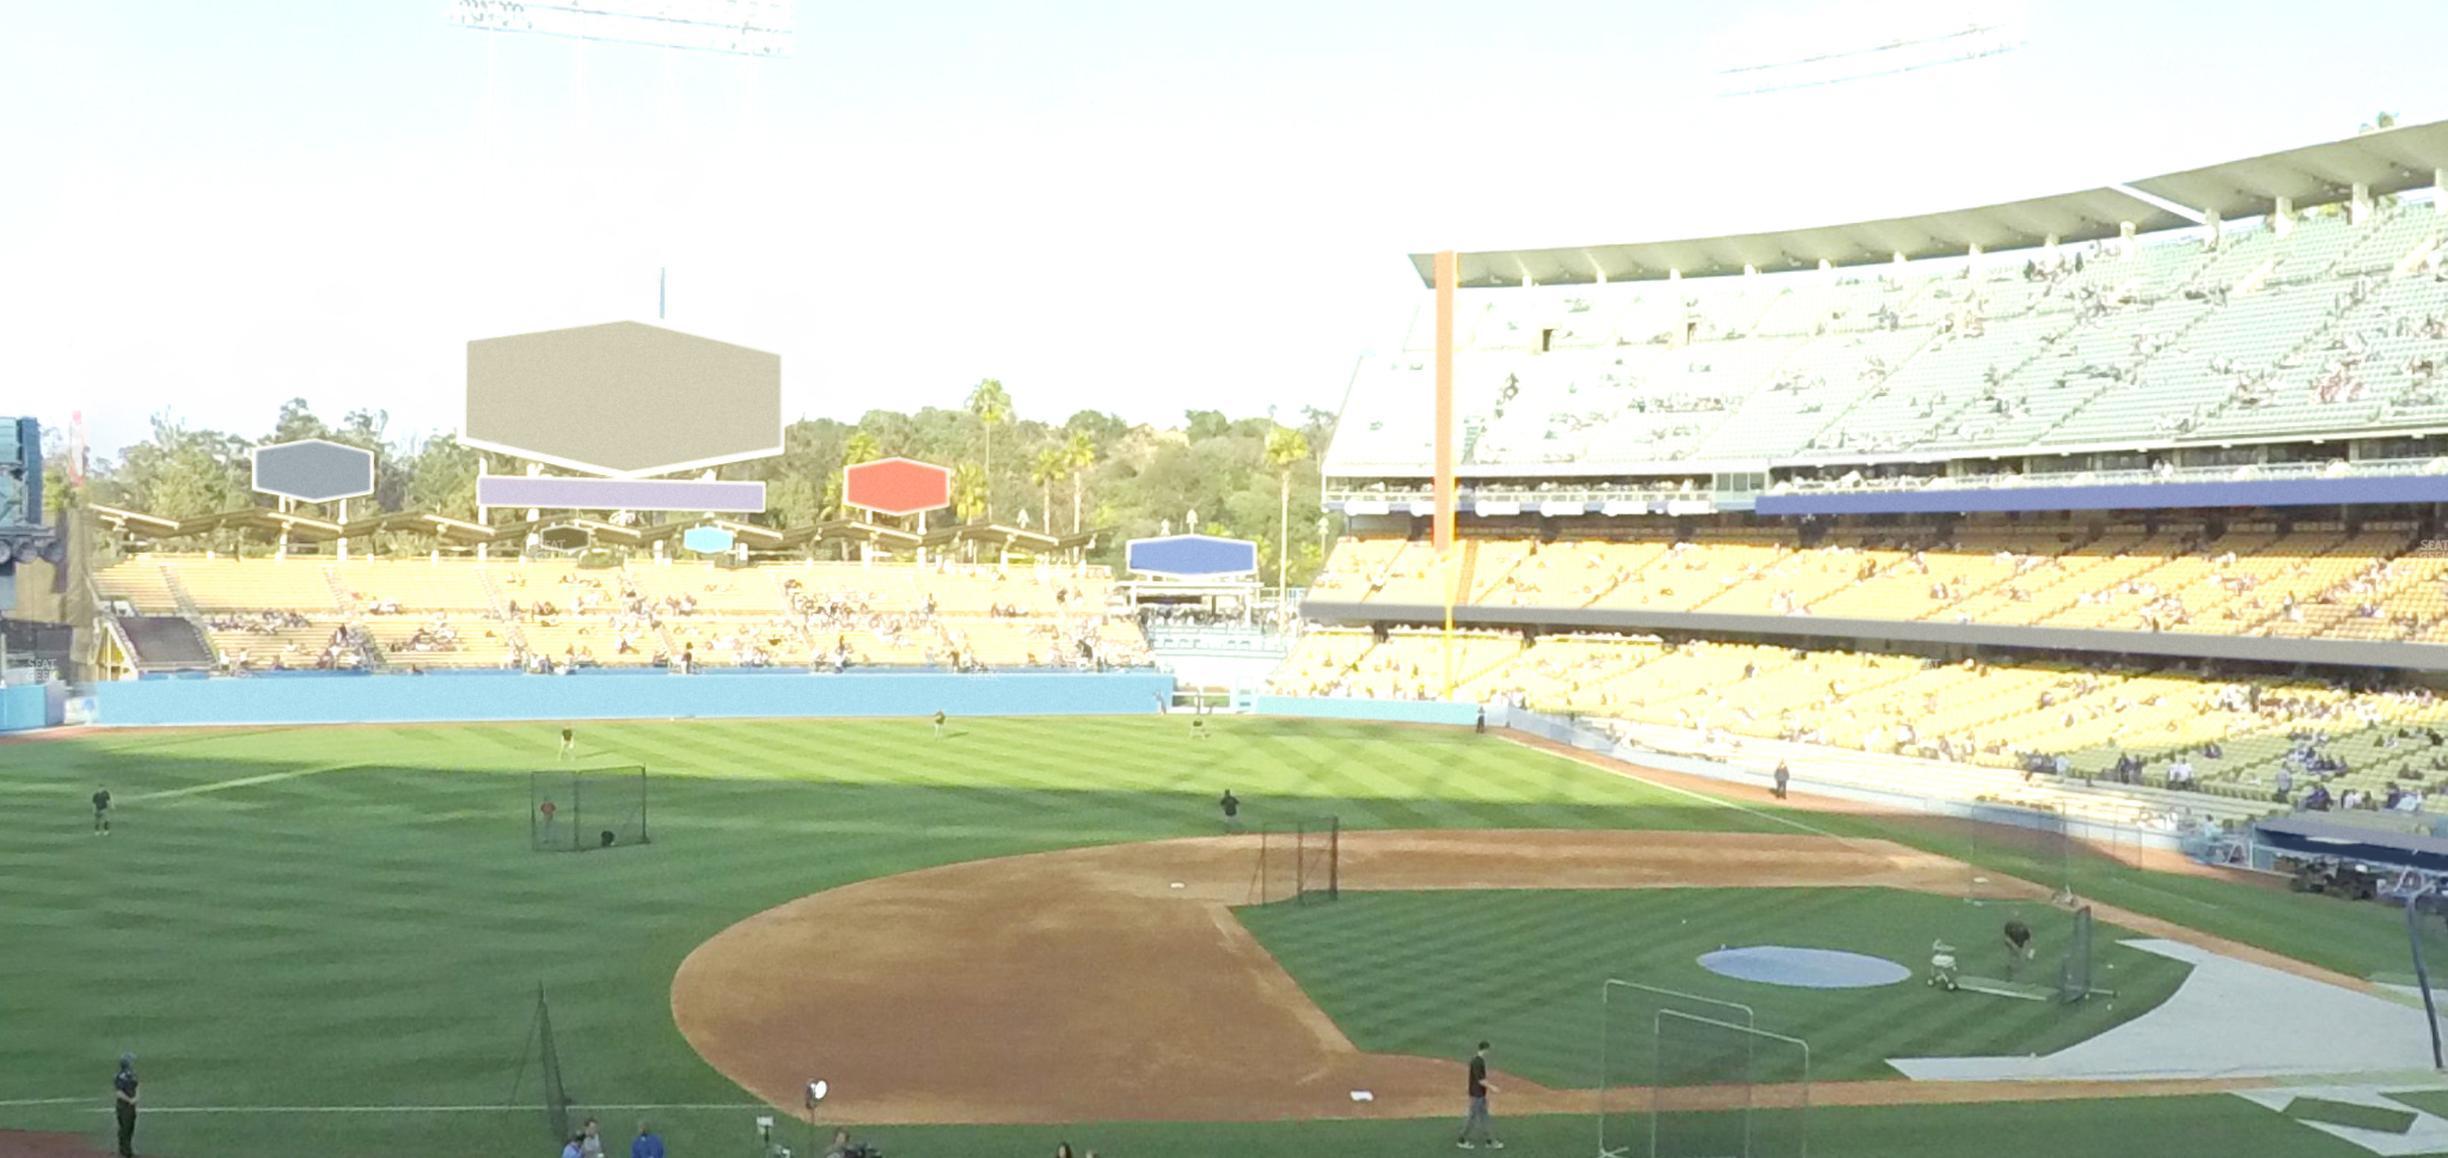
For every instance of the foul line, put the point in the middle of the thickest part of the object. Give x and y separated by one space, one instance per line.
1612 766
496 1109
240 782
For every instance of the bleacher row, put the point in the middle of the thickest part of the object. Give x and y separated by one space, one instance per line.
306 612
2248 738
2376 580
2336 327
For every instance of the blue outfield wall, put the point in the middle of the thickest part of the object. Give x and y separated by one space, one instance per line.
408 699
25 707
1390 711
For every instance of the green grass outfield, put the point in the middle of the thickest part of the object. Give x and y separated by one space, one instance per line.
348 917
1431 972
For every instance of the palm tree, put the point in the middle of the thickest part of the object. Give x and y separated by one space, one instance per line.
1081 454
1285 448
1051 466
860 447
968 492
992 406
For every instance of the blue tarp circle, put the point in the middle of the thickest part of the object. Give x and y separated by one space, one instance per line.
1804 968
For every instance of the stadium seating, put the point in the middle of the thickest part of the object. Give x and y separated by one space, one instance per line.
542 613
2309 579
1968 713
2333 328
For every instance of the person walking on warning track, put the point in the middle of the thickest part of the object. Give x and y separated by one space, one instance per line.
101 803
1477 1117
1784 775
1231 805
123 1101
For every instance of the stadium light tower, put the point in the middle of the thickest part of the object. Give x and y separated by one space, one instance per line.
1829 42
730 27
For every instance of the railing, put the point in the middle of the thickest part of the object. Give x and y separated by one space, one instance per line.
2249 472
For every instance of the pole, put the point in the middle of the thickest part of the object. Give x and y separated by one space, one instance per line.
2422 976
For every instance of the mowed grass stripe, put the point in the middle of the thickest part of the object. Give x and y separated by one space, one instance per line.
312 939
1525 966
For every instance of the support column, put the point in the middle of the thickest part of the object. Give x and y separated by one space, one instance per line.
2439 192
2282 217
2217 228
2125 239
344 538
2359 204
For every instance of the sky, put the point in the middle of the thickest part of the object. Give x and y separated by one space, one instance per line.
1125 205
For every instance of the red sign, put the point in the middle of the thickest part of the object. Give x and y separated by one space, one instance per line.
897 486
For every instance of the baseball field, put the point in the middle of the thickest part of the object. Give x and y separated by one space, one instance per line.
329 940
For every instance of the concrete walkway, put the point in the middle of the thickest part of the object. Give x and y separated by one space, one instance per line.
2229 1019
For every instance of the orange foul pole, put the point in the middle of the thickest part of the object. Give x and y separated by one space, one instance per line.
1448 271
1448 266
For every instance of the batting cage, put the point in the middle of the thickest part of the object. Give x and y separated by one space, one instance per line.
1627 1055
1727 1090
1298 861
2037 952
576 809
2013 849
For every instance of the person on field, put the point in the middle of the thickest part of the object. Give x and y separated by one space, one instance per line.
648 1144
1231 805
1784 776
101 803
569 742
939 723
1475 1120
573 1149
123 1103
590 1140
2018 946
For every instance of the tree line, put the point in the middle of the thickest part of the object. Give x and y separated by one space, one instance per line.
1252 477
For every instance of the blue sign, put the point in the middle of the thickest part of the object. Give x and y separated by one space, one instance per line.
1192 557
706 540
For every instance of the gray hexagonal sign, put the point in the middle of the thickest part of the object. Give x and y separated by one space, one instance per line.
313 470
623 399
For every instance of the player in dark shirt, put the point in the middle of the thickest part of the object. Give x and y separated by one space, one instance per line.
1476 1118
939 723
569 742
101 803
2018 946
123 1102
1231 805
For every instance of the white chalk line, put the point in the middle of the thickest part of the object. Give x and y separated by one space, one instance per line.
1614 767
493 1109
239 782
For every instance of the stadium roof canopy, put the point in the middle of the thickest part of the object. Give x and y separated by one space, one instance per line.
2384 161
